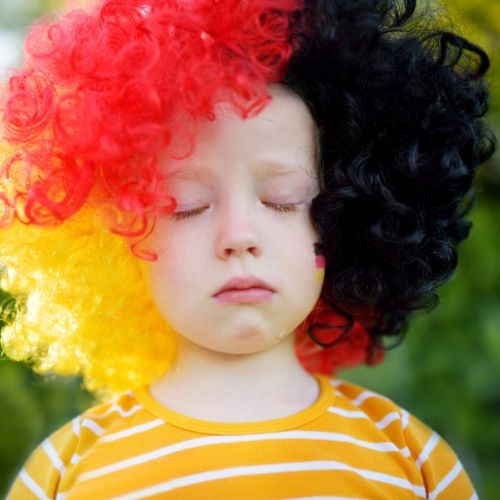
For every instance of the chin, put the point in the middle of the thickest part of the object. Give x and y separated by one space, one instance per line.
243 344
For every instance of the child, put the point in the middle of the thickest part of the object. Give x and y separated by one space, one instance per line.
290 179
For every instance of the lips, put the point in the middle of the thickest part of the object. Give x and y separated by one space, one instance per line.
245 289
244 283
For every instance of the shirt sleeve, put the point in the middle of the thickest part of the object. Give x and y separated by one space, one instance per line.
41 475
443 474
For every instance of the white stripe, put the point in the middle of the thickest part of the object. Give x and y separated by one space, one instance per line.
429 446
389 418
269 469
347 413
474 496
54 457
385 447
132 430
446 481
95 428
405 418
34 488
361 398
76 426
61 496
75 459
118 409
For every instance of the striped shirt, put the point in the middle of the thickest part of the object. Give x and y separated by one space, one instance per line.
350 444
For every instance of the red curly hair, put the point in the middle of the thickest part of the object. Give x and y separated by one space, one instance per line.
103 92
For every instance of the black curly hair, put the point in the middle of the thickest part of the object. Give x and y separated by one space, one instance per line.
399 108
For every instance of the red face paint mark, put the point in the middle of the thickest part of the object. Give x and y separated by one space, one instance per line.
320 262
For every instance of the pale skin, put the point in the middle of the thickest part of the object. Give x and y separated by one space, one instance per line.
243 210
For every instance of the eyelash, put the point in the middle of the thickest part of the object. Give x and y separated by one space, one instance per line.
282 207
187 213
279 207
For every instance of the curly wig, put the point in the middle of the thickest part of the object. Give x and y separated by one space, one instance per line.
107 92
399 110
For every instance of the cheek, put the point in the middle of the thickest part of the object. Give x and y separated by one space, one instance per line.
298 241
165 282
302 265
181 264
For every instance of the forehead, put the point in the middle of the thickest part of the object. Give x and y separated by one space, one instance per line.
280 141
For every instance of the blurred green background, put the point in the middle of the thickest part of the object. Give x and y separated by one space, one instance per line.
447 372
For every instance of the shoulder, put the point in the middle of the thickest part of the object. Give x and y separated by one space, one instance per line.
390 419
109 417
53 460
429 454
378 408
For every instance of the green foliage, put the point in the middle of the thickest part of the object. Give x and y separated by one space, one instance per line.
8 307
31 407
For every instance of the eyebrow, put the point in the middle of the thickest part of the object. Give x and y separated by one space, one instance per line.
267 168
275 168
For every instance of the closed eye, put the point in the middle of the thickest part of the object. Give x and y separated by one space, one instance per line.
187 213
281 207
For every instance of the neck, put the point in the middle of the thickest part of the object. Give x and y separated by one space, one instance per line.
236 387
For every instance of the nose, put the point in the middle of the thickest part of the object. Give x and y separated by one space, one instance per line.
237 233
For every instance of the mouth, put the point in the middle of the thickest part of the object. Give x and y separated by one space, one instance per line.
247 289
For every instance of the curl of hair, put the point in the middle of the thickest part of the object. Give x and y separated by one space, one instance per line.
399 108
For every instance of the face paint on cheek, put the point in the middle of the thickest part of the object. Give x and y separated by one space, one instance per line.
320 264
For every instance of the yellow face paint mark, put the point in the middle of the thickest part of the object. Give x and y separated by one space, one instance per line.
320 276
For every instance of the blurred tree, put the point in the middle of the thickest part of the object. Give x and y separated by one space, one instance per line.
19 13
32 407
479 20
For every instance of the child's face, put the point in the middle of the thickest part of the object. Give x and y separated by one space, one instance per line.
243 211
